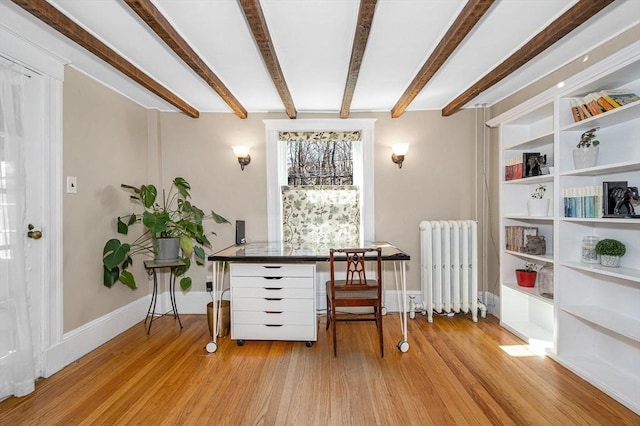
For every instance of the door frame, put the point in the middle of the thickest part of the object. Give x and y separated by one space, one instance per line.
51 68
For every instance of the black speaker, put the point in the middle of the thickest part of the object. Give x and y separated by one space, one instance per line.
240 239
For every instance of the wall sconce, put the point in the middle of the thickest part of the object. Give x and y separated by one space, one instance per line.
399 151
242 152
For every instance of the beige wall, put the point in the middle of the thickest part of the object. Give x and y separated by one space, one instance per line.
435 182
105 144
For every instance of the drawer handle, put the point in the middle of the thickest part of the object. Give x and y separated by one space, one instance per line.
272 312
273 298
273 325
272 288
272 278
272 266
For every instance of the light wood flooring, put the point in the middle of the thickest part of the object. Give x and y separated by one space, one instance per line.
455 372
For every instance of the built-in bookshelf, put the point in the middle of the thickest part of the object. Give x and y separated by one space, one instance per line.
592 325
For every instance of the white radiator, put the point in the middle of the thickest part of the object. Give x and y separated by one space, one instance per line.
449 267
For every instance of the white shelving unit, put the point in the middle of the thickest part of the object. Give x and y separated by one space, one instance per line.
592 326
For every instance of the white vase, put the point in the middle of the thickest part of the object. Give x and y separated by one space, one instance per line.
538 206
585 157
610 261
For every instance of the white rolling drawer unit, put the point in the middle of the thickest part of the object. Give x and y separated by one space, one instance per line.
273 301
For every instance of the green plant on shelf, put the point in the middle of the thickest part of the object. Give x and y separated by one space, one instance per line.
610 247
539 192
588 139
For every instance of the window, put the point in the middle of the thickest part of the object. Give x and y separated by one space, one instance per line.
317 169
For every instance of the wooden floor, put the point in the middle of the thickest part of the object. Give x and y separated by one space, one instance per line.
455 372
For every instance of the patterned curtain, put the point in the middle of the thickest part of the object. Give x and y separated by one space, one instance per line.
353 135
321 215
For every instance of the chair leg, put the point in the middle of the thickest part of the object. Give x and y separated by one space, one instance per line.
379 316
333 329
328 313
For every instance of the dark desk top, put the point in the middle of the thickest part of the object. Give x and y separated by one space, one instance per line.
285 252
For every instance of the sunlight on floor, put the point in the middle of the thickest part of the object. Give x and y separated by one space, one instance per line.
534 348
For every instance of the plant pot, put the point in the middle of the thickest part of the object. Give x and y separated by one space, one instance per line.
610 261
585 157
224 318
538 206
526 278
167 249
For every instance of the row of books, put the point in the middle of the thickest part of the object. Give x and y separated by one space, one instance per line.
584 201
526 165
516 237
598 102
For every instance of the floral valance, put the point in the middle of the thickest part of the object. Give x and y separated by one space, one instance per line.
353 135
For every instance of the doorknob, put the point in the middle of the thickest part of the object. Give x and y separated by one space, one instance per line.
36 235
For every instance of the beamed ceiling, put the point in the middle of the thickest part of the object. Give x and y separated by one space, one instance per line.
337 56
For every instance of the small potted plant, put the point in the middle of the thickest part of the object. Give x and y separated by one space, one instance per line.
537 205
526 277
586 152
610 252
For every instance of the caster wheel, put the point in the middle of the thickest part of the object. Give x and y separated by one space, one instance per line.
403 345
240 343
211 347
384 311
308 344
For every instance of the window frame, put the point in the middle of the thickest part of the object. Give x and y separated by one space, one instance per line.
276 165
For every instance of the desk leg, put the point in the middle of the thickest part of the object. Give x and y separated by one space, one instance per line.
218 282
400 272
172 295
154 298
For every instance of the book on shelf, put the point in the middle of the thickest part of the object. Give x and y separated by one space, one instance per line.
623 96
583 202
516 237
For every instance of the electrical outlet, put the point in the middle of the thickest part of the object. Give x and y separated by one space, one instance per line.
209 286
72 184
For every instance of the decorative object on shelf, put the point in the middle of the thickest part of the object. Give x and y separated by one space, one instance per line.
537 205
536 244
545 281
175 218
399 151
619 199
610 252
589 254
531 161
516 237
242 154
586 152
526 277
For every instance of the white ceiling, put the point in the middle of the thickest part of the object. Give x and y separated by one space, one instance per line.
312 39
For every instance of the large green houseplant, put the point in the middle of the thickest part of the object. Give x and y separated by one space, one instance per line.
173 216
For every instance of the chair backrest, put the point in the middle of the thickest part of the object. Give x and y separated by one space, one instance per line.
355 259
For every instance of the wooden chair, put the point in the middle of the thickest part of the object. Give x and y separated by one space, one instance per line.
355 289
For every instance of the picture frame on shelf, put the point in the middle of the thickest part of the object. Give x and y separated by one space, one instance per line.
531 163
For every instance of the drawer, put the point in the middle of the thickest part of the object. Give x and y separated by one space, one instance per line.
264 332
271 293
272 282
261 304
272 269
274 317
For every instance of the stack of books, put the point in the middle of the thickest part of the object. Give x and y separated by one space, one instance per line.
585 201
598 102
516 237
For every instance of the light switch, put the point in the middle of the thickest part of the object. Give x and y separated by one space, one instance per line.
72 184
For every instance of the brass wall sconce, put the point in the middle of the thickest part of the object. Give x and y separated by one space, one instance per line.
242 153
399 151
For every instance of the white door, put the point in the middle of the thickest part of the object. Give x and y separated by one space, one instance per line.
23 311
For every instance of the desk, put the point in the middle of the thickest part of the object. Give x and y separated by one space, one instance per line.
283 253
152 267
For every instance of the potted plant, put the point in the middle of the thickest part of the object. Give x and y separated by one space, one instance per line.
537 205
526 277
586 152
610 252
174 217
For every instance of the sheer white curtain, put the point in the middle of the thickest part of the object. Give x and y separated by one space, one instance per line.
17 366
